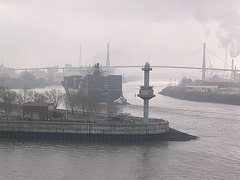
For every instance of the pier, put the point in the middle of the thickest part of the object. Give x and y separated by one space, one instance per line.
127 131
124 131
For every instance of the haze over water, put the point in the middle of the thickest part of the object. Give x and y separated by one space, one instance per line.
215 155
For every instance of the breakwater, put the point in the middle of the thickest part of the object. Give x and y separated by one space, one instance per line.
126 131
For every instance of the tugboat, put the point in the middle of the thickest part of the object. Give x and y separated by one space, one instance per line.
121 101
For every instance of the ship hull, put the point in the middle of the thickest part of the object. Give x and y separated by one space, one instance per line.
179 93
98 95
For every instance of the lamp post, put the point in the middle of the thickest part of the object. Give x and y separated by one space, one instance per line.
106 93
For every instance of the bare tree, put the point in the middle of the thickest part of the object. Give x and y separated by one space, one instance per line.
92 106
67 104
82 99
7 98
23 96
37 97
71 101
54 96
112 109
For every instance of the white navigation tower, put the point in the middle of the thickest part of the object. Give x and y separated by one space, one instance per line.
146 92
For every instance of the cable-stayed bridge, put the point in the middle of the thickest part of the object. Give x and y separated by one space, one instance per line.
123 67
108 66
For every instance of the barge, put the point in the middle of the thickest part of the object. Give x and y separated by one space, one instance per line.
212 92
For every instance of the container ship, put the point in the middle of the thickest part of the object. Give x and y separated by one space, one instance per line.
95 85
212 92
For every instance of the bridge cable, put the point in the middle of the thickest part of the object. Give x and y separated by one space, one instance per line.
97 54
216 56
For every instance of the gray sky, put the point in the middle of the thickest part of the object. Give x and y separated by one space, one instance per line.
163 32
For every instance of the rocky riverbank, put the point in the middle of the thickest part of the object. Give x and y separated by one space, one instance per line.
175 135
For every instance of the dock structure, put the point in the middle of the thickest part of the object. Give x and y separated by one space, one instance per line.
146 92
126 131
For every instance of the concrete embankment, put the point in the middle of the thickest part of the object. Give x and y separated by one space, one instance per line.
91 131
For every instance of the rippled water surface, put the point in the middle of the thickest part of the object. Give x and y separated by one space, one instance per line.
215 155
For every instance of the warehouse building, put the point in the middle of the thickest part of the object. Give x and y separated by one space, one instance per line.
40 111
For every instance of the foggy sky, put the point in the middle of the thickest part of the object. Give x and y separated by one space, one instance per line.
163 32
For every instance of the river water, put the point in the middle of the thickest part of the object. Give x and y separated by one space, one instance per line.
214 155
